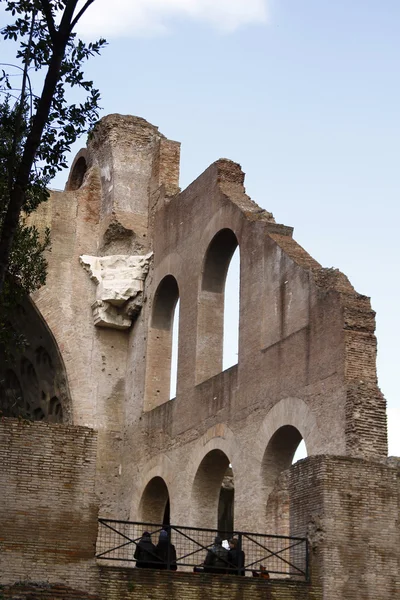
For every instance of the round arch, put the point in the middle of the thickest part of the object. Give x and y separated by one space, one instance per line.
288 423
216 260
206 489
38 367
295 412
278 458
154 505
159 344
78 171
211 457
211 303
219 222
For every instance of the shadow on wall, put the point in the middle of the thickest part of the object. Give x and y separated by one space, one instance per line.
33 381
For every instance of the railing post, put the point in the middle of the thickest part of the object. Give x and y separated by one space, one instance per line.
169 549
240 537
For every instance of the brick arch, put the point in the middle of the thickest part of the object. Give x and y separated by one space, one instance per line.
222 219
78 171
158 468
210 459
159 343
297 413
154 500
288 423
41 380
211 302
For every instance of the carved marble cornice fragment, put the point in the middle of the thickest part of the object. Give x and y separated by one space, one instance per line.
119 294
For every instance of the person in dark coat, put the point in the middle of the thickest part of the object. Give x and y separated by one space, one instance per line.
217 558
166 552
146 553
236 558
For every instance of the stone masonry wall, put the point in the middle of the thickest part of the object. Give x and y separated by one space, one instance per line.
302 331
306 365
48 508
350 510
135 584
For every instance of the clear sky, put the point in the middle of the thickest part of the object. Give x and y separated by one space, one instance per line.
305 95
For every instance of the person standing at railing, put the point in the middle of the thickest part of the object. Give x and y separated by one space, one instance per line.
236 558
146 553
166 552
217 558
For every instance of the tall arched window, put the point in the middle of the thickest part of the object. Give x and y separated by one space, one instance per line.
212 299
231 313
174 357
159 344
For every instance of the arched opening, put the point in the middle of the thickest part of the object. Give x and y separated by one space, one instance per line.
278 458
231 313
174 356
213 494
210 325
154 505
78 174
301 452
32 374
226 505
159 346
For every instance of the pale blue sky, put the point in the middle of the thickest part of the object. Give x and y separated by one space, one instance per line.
305 95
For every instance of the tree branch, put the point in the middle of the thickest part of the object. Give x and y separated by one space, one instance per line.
17 195
81 12
65 25
46 8
21 106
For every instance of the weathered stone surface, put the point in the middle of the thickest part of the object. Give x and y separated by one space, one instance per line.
306 363
119 279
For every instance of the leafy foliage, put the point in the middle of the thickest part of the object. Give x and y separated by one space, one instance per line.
37 131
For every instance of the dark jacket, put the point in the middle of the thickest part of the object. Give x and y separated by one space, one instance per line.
166 555
236 560
216 560
146 554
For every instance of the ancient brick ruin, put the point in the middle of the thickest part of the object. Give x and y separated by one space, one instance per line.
126 246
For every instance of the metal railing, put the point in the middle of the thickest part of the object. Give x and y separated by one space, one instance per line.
186 549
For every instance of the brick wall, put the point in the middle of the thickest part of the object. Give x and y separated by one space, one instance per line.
350 509
43 591
48 508
135 584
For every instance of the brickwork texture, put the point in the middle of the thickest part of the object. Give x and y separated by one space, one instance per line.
350 509
48 508
306 370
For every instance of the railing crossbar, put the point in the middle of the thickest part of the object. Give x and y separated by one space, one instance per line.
191 540
216 531
272 553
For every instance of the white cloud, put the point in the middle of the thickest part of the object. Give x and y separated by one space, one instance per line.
394 431
117 18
